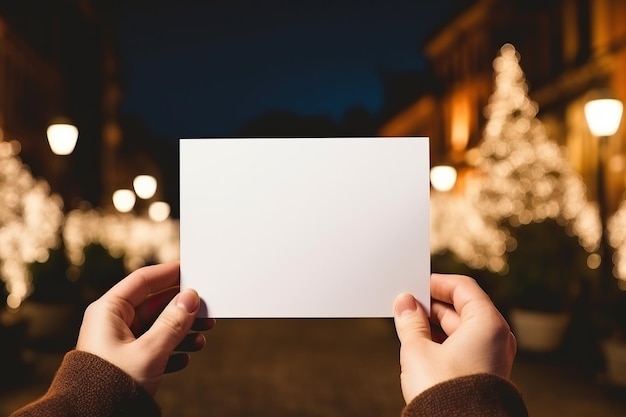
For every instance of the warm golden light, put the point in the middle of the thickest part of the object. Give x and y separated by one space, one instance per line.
124 200
460 119
456 225
443 177
13 301
159 211
145 186
136 239
62 138
603 116
616 233
593 261
519 176
30 218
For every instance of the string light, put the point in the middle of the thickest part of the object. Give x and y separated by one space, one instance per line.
616 229
30 220
457 226
527 177
137 239
523 178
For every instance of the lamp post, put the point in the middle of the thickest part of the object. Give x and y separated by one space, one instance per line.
62 137
603 116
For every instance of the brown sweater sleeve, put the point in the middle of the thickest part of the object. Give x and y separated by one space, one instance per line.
86 385
474 395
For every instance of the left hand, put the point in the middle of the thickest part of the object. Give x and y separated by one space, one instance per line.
139 323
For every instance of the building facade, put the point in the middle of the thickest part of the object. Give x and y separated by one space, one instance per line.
59 61
50 69
569 49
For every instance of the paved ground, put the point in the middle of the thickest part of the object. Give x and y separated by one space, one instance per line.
322 368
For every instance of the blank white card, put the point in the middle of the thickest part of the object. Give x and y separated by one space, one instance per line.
315 227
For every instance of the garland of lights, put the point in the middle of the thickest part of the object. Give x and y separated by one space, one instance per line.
32 223
137 239
524 177
30 219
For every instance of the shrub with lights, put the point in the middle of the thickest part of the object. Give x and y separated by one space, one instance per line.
30 221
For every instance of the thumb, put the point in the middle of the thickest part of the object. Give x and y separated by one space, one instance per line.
173 323
412 324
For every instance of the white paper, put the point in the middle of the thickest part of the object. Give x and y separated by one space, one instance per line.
315 227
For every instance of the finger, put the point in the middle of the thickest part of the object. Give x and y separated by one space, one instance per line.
137 286
203 324
146 312
458 290
470 303
193 342
176 362
445 316
173 324
412 323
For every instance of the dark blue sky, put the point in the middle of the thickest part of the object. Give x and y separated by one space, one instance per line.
203 68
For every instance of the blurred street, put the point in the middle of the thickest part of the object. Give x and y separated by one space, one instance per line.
528 193
325 368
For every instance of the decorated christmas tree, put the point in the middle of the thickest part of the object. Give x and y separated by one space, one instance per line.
458 229
525 175
523 178
529 189
616 228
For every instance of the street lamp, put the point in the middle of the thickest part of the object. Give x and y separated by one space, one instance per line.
62 138
603 116
443 177
159 211
124 200
145 186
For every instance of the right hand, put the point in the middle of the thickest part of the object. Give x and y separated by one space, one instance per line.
476 339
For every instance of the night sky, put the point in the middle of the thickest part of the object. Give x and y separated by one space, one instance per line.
205 68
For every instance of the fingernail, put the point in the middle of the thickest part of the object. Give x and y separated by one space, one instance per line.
405 304
188 300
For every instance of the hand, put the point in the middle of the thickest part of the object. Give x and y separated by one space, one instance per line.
141 321
475 338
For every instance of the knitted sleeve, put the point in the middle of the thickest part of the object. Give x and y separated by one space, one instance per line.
86 385
474 395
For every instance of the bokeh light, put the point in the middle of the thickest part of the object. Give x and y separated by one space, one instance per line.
159 211
138 240
145 186
522 177
30 221
124 200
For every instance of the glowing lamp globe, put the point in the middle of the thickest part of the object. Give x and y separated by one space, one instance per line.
603 116
62 138
145 186
159 211
124 200
443 177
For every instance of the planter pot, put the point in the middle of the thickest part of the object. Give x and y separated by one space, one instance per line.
615 360
538 331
